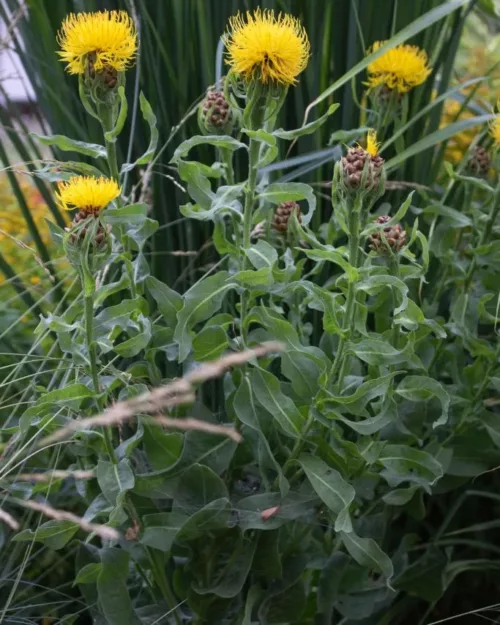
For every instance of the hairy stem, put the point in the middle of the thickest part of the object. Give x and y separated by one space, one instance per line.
253 155
89 337
339 363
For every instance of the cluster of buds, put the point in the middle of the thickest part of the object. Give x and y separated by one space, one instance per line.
362 170
479 162
282 215
393 238
215 114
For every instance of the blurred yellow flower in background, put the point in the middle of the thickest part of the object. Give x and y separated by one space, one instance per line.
13 228
402 68
109 36
267 48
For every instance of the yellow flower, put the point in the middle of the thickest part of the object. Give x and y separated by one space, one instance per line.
87 193
109 36
269 48
372 145
402 68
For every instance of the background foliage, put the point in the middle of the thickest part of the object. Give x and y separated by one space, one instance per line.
304 561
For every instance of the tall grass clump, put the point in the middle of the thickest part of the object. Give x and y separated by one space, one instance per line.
256 381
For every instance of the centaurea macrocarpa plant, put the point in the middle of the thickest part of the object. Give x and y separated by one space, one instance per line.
318 480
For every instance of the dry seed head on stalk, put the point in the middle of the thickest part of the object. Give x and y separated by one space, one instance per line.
267 48
395 237
399 69
479 162
106 39
283 213
362 167
216 115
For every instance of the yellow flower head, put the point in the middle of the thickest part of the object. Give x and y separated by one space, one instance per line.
87 193
402 68
495 128
372 145
108 35
269 48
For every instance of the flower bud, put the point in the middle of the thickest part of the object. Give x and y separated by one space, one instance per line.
215 114
283 213
479 162
88 241
361 170
394 237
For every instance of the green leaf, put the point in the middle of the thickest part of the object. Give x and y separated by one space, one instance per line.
380 352
88 574
267 155
333 256
201 302
161 529
150 118
131 214
268 393
214 516
54 534
424 578
162 449
423 388
210 343
262 255
399 216
308 129
405 464
210 205
374 284
246 411
112 135
73 394
199 487
335 492
367 553
450 215
169 301
71 145
114 599
279 192
114 479
225 142
230 567
356 402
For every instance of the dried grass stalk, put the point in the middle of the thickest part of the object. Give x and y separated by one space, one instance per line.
52 475
8 520
195 424
176 393
105 532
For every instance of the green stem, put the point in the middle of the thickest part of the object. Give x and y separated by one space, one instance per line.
89 337
253 156
394 267
339 363
484 237
227 158
163 584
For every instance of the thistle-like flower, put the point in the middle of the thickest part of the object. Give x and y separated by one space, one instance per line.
267 48
394 237
362 168
105 39
401 69
87 194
